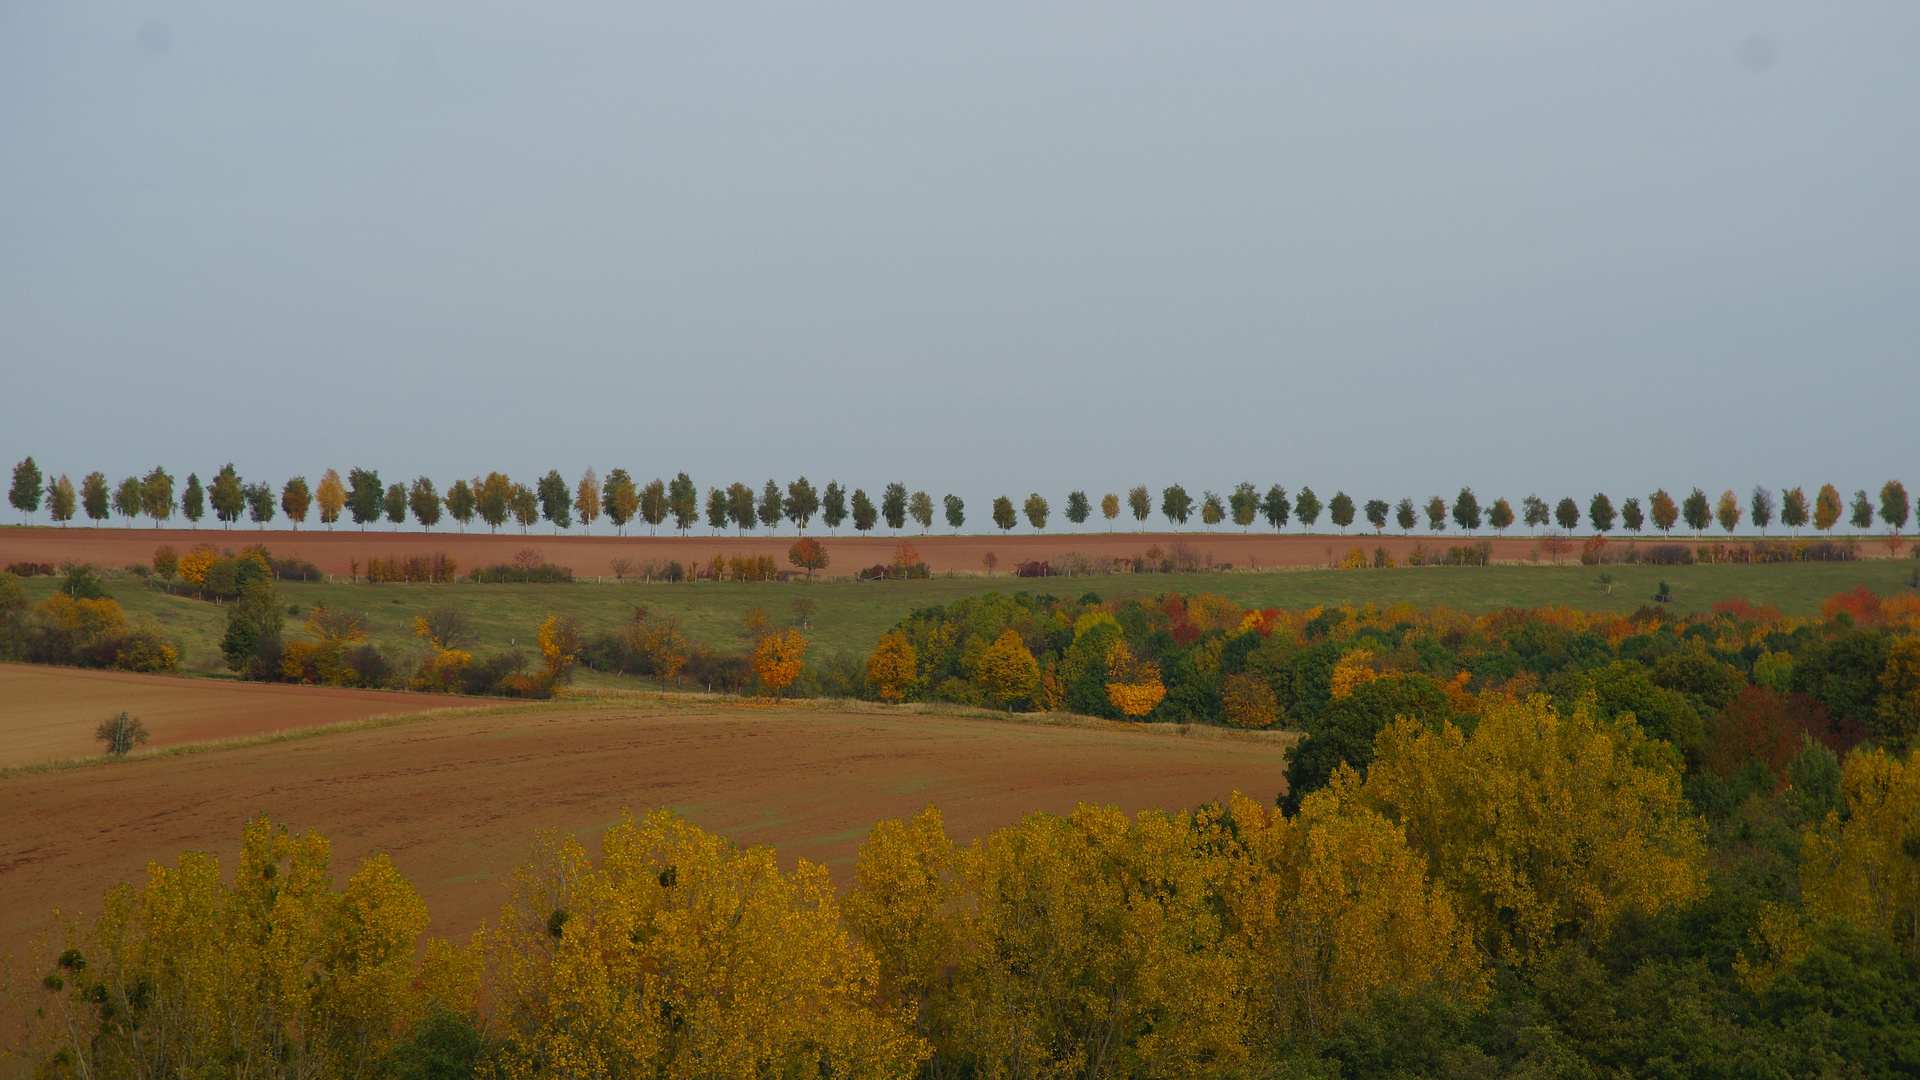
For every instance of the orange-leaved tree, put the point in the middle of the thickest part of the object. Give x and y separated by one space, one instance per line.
808 554
778 659
1826 508
893 667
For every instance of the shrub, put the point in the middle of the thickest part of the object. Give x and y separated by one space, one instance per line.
31 569
120 734
540 574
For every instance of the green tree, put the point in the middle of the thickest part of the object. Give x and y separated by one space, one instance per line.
365 496
1176 505
956 511
620 499
740 507
1793 509
128 497
1003 515
684 499
193 501
1436 514
461 503
1534 512
1566 514
424 500
833 506
1501 516
1276 507
25 493
1377 512
1600 512
556 500
1664 511
1862 509
893 506
1697 513
259 502
653 502
716 510
1466 511
802 503
526 507
95 499
254 623
227 497
1212 510
156 495
1037 510
1340 511
1078 508
61 499
1245 503
1404 516
296 499
393 503
920 509
493 499
1894 507
1306 509
865 514
1762 508
1141 504
1630 514
772 506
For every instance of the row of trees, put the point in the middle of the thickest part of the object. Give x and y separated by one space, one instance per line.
496 500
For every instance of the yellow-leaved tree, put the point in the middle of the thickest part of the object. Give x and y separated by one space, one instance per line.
276 974
893 667
1826 508
1133 684
1084 945
1546 827
1331 907
778 658
560 647
332 497
681 955
1867 867
1008 672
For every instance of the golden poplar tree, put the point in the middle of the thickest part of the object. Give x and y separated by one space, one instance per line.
1867 867
681 955
893 667
1008 672
332 497
1545 826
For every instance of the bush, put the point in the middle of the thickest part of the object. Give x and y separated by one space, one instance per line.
31 569
1666 555
434 569
292 569
509 573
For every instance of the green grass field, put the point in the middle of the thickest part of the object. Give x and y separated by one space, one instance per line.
850 616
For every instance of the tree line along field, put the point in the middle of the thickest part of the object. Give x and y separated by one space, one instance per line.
497 500
848 617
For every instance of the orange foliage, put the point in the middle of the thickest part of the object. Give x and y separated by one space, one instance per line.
1861 604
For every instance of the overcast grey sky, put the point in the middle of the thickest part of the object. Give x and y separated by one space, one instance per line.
986 248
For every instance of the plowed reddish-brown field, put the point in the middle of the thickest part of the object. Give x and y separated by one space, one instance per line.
50 713
456 801
334 552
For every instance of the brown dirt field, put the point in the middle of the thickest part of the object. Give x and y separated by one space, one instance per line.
334 552
48 713
457 801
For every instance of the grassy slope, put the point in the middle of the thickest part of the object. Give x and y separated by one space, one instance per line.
850 616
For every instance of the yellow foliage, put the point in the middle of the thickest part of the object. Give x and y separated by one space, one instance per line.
681 955
1353 669
196 562
186 976
778 657
559 648
1331 907
1246 701
1211 611
1779 940
82 622
1867 868
1133 685
892 668
1543 825
1355 559
1008 672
